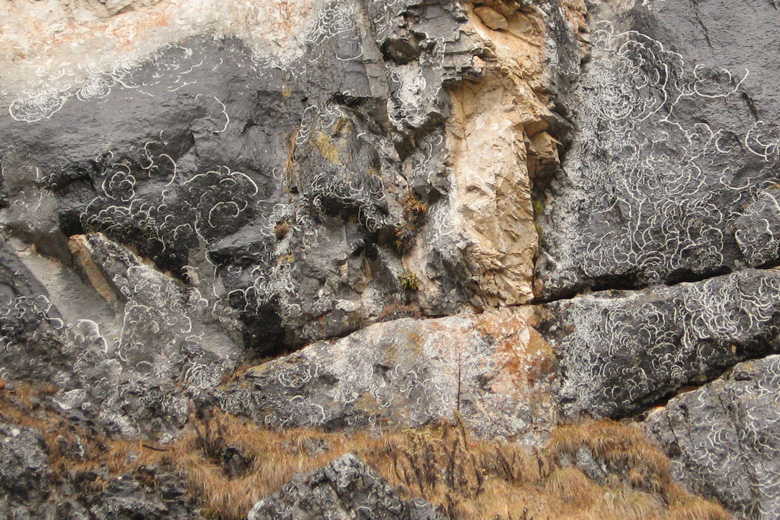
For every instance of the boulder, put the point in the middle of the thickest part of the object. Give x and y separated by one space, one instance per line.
345 489
622 352
723 438
493 369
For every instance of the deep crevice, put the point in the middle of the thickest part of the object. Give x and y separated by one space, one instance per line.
623 284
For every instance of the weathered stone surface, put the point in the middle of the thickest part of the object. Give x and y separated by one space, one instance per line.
281 176
491 18
126 355
275 178
723 438
493 368
28 490
485 230
675 151
24 469
344 489
620 352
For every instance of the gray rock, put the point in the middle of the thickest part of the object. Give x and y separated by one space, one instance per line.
345 489
622 352
125 498
670 172
28 491
493 368
723 438
24 466
275 180
131 348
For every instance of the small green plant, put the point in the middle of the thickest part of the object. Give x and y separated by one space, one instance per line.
538 206
409 281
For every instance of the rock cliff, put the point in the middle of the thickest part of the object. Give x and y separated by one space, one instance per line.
369 217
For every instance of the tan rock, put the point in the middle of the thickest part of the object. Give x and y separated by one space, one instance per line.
491 18
542 152
492 157
82 253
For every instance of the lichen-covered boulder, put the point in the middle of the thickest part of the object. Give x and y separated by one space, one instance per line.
723 438
24 470
127 347
343 490
493 369
621 352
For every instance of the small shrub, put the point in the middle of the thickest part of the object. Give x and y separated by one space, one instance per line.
409 281
415 213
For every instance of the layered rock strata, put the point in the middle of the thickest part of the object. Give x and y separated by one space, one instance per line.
375 193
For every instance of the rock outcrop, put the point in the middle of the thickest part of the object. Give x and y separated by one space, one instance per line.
512 214
24 470
344 489
129 348
493 369
671 168
723 439
620 353
30 489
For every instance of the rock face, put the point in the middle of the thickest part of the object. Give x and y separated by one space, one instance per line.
723 438
130 348
301 184
344 489
521 212
24 469
493 368
622 352
671 168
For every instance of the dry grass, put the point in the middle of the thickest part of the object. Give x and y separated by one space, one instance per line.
230 464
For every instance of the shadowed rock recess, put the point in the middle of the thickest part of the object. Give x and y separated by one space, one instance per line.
378 216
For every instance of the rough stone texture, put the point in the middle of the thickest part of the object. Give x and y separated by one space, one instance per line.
670 173
29 491
345 489
620 352
127 353
723 438
24 469
493 368
186 185
281 177
486 229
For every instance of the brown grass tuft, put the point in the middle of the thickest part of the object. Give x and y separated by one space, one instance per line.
229 464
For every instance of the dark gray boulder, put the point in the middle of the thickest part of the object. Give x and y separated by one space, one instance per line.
670 173
30 490
723 438
345 489
621 352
